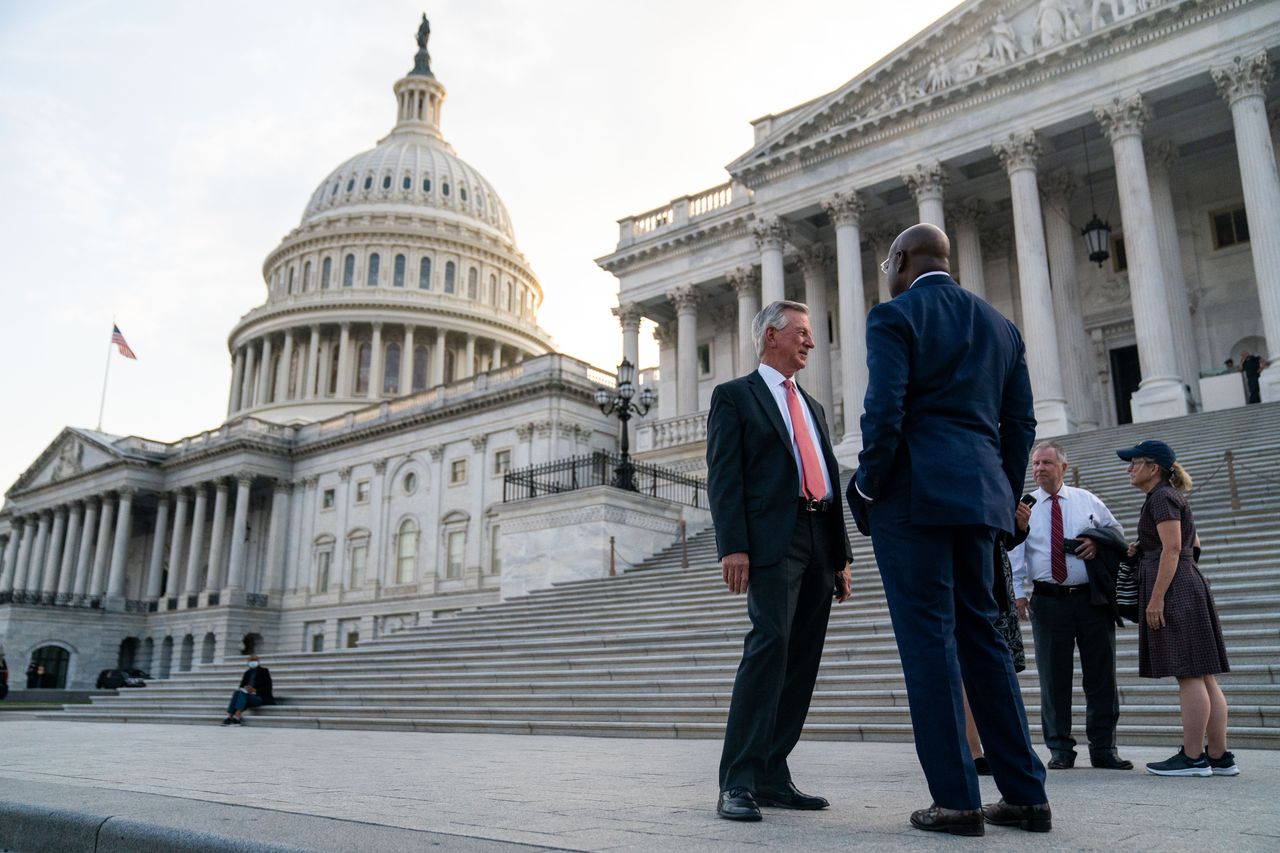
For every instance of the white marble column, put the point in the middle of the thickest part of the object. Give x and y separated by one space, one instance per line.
195 551
1243 83
35 572
237 378
686 301
217 536
53 560
235 571
1161 156
406 362
344 361
375 363
845 211
16 532
273 583
927 184
881 240
468 358
172 585
155 568
495 355
814 259
629 318
1018 154
120 548
246 382
966 218
1073 341
437 357
70 553
309 391
771 238
1161 394
88 540
263 397
23 557
282 371
745 282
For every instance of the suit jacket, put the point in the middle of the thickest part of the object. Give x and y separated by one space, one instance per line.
259 677
752 483
949 421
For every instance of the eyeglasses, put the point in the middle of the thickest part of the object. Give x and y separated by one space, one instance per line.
1133 463
887 262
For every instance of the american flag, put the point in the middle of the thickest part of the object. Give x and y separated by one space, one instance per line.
121 344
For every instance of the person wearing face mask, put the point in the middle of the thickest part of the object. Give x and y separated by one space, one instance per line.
254 691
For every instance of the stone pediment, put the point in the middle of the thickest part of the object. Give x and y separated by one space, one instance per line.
979 43
72 453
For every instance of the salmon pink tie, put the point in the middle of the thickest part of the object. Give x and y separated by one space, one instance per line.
814 487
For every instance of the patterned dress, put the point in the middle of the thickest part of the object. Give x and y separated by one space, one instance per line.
1190 643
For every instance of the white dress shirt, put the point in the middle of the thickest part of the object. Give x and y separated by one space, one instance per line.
1031 561
774 380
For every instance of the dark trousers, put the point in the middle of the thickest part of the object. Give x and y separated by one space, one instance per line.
241 700
938 584
1059 626
789 604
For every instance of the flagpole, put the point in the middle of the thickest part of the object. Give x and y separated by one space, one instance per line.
106 373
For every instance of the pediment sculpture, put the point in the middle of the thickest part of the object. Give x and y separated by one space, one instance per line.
70 461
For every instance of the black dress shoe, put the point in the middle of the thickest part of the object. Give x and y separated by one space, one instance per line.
1031 818
982 765
954 821
789 797
737 804
1062 761
1110 761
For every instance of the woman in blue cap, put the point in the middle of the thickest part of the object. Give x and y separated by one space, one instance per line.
1178 631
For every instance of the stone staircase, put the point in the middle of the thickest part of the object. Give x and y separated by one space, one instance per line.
653 652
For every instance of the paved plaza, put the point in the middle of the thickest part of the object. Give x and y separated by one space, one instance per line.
86 786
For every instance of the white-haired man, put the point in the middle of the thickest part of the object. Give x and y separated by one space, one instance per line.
773 488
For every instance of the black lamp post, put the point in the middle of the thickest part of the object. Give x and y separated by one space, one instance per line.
620 401
1096 233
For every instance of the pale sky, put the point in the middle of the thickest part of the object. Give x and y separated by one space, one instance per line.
153 153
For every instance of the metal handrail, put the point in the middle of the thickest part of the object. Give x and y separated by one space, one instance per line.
602 469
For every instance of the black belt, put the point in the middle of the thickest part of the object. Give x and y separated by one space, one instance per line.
1057 590
813 505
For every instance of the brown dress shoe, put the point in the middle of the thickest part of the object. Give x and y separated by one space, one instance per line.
1037 818
954 821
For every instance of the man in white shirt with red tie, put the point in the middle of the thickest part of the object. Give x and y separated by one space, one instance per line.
773 488
1052 562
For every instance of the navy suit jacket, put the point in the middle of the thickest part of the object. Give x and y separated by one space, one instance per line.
752 484
949 421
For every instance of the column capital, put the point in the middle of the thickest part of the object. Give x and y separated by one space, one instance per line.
1018 151
376 326
1160 153
164 498
967 212
282 486
244 479
814 259
744 280
1122 117
220 485
771 233
685 298
126 492
436 451
379 466
345 325
629 315
344 473
1058 187
479 442
1243 77
844 208
524 432
926 181
409 328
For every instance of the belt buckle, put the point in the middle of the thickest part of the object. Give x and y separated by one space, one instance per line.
810 504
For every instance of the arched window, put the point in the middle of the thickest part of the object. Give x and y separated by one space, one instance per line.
419 369
363 360
462 193
406 552
491 295
208 647
295 364
188 652
306 276
368 182
473 283
506 297
426 185
407 183
397 272
386 182
391 370
290 285
444 188
334 192
450 274
375 263
348 270
424 274
326 272
351 184
166 657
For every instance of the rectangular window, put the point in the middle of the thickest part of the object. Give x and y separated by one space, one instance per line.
317 642
1230 227
397 275
323 559
327 499
359 557
495 550
362 492
353 638
704 359
313 637
457 546
1119 260
457 472
501 462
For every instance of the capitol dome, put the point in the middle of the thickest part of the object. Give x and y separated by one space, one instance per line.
402 276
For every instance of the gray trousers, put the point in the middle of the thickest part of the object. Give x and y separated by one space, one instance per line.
1060 626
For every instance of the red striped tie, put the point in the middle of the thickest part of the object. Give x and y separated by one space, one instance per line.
1057 556
813 486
